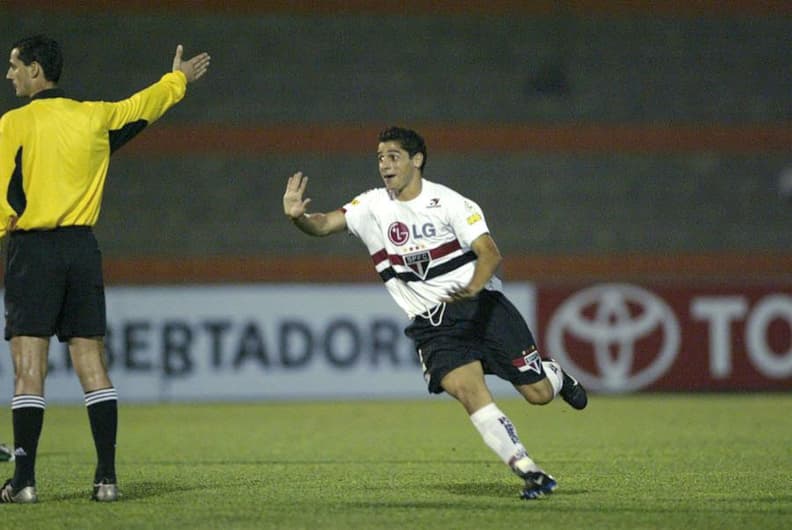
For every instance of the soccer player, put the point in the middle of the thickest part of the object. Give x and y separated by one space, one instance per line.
54 155
433 250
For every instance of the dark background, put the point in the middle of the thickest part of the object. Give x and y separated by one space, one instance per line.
673 125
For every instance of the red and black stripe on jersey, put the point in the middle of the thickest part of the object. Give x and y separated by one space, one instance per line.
445 249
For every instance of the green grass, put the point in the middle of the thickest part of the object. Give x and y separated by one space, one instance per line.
647 461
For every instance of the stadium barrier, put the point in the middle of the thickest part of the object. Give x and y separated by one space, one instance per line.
712 267
344 341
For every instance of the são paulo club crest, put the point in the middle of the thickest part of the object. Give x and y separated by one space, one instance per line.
529 361
418 262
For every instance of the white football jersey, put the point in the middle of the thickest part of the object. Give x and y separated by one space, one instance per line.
421 248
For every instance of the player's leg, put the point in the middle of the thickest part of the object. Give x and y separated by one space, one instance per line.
509 351
467 385
84 326
101 401
515 358
34 291
27 411
541 392
452 364
571 390
556 382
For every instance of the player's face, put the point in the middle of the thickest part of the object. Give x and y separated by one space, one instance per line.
20 75
400 173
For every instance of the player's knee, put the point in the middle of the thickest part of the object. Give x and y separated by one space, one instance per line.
29 380
30 371
471 394
463 391
29 377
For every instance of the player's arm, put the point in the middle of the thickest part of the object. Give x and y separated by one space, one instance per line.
295 207
9 149
488 258
127 118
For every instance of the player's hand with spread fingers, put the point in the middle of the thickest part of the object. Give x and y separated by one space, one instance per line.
194 68
294 205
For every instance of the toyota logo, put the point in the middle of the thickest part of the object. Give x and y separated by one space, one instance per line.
614 337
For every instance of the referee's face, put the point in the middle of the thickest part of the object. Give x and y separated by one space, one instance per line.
20 74
400 173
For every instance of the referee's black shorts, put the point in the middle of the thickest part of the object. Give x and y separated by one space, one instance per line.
488 329
53 284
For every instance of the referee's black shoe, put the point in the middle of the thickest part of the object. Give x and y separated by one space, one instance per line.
573 392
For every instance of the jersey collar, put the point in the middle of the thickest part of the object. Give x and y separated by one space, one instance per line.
49 93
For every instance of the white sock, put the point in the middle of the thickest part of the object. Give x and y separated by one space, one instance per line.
554 375
500 435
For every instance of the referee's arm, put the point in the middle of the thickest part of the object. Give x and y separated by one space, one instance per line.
9 146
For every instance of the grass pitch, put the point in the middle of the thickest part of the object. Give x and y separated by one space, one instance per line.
633 462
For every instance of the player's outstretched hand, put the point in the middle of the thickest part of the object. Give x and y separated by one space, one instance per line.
194 68
294 205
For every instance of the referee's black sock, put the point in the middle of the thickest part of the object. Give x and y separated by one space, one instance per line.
102 408
27 412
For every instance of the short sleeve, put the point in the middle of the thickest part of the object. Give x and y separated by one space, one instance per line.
356 212
467 219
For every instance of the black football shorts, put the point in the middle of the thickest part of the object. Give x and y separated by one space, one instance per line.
487 329
53 284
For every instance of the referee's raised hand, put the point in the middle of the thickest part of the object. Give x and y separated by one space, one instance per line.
194 68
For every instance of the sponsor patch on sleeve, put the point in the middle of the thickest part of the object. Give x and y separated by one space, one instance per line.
473 219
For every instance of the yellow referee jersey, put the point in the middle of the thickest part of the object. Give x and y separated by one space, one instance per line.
55 151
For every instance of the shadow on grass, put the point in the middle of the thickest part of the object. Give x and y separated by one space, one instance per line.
306 462
131 491
439 505
150 488
480 497
497 490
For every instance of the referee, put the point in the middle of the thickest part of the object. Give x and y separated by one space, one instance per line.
54 155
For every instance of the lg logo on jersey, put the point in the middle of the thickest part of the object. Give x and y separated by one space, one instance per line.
399 233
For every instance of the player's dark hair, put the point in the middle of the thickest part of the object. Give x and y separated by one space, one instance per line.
410 141
43 50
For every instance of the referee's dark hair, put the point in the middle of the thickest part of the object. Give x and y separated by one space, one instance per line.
43 50
411 141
